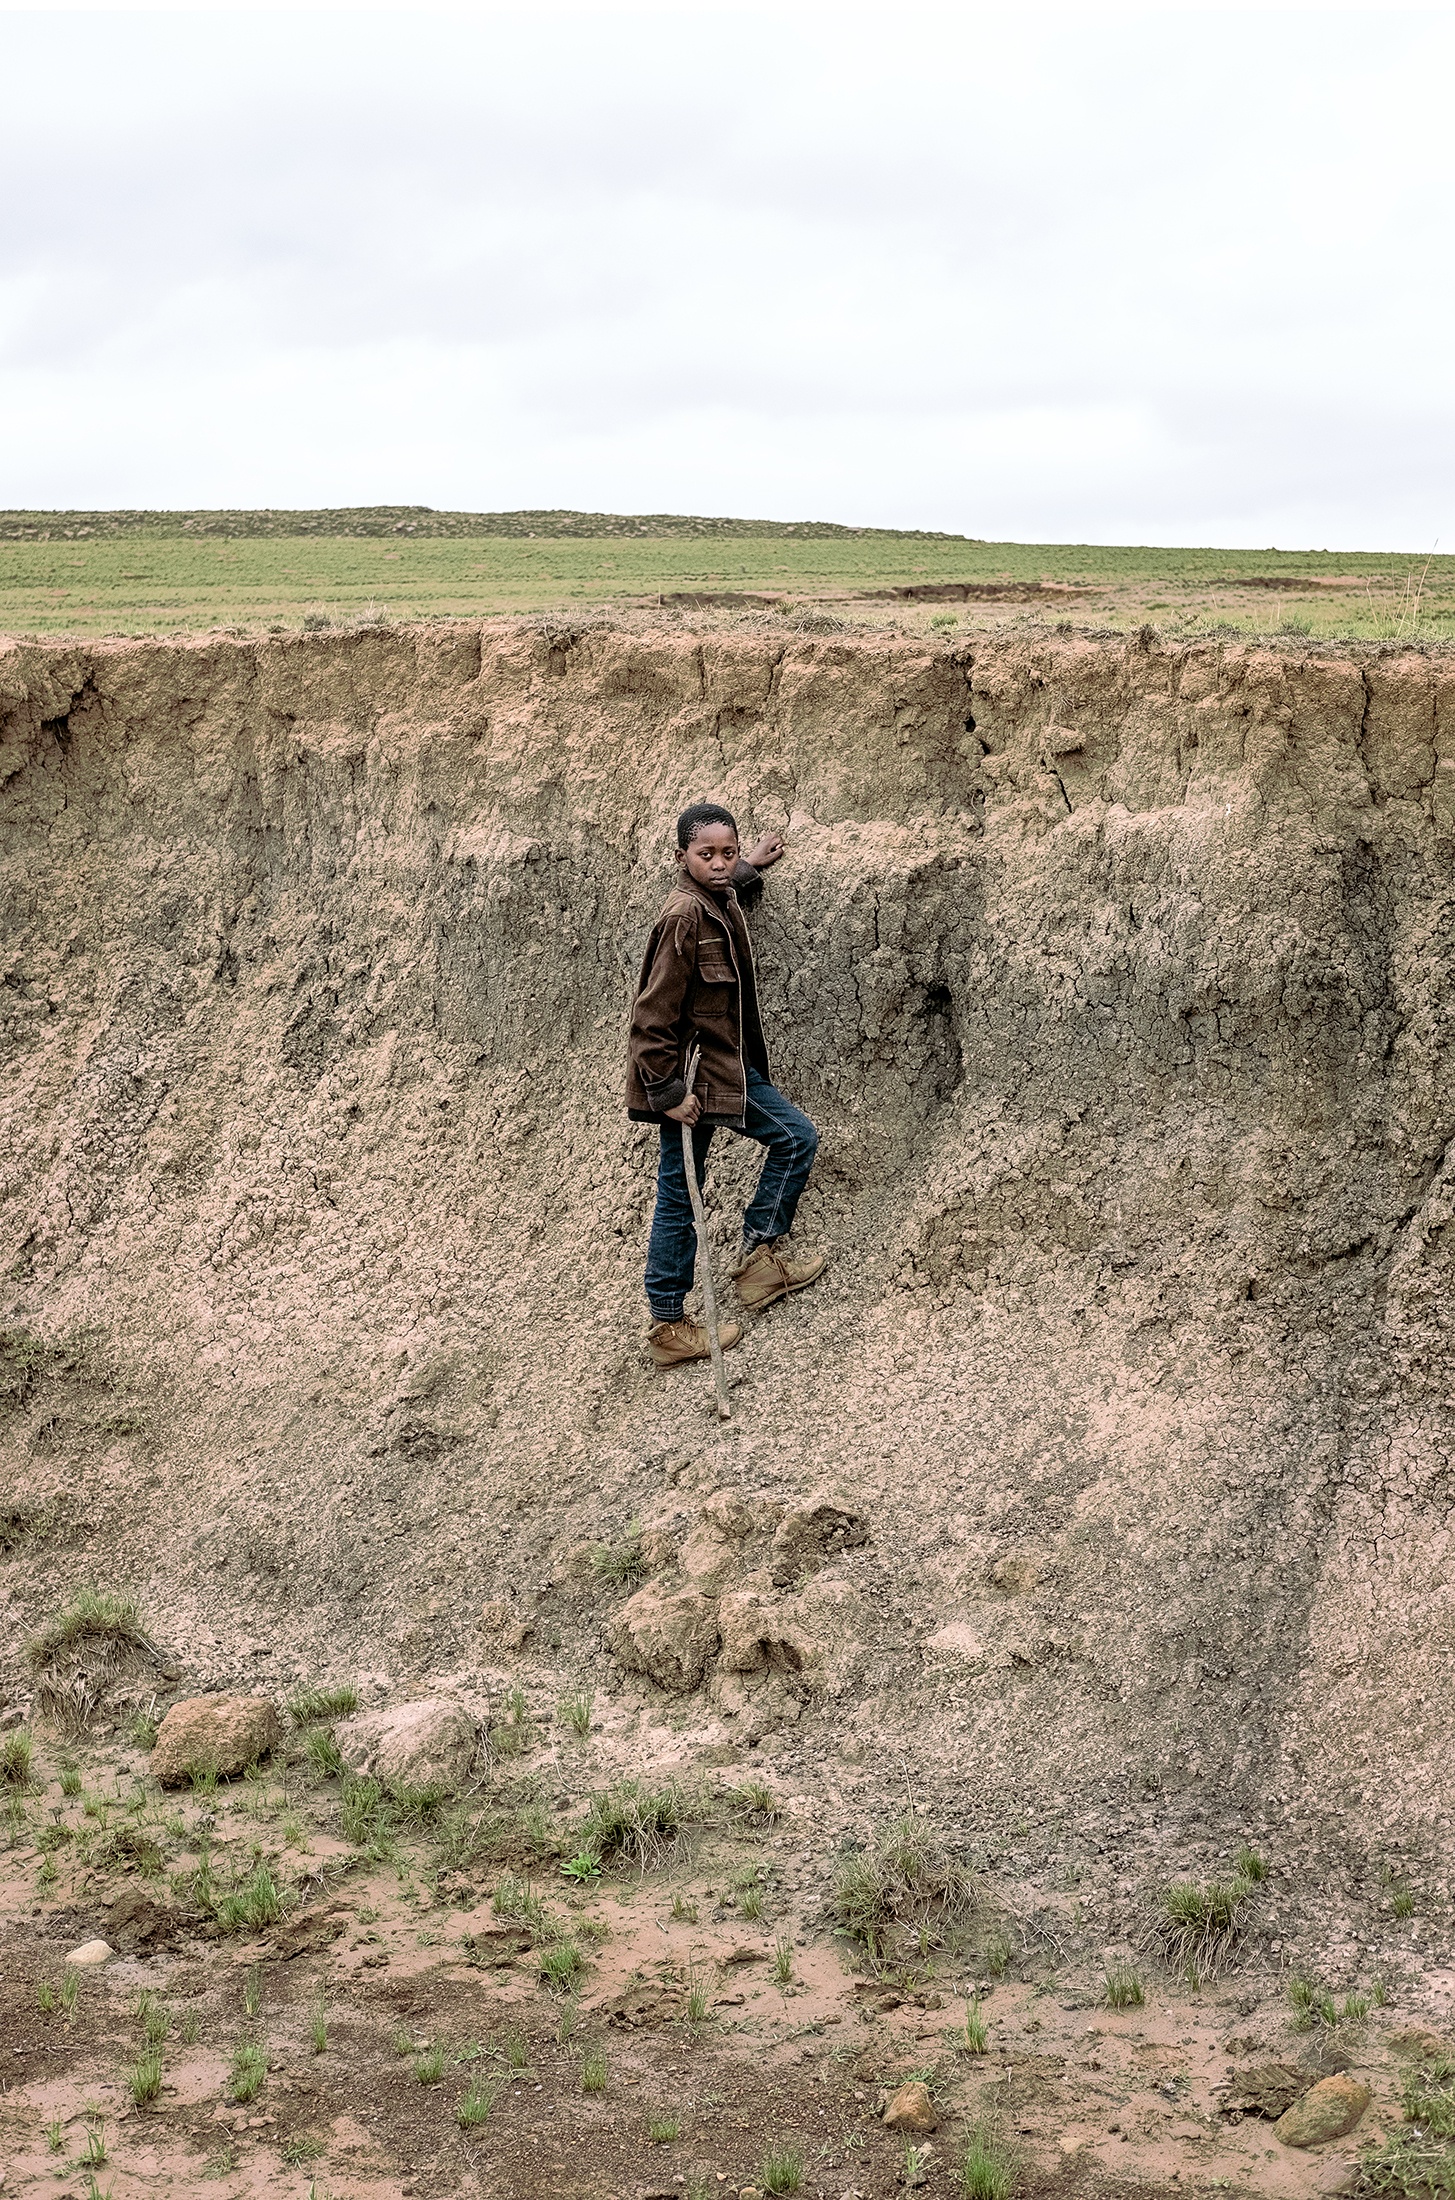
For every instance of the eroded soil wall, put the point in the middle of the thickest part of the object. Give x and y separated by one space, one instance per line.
1119 981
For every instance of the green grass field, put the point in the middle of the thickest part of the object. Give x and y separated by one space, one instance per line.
117 573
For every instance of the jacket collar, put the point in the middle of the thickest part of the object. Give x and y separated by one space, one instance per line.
687 884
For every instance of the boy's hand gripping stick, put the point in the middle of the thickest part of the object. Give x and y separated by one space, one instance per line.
704 1257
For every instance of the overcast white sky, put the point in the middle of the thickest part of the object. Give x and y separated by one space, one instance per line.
1091 275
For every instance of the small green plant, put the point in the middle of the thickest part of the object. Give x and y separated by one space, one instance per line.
93 2154
783 1961
45 1997
584 1867
191 2030
322 1753
70 1778
636 1822
575 1712
223 2162
311 1705
1428 2097
621 1565
1200 1926
47 1877
560 1966
142 1733
987 2166
429 2067
1250 1866
781 2170
69 1993
593 2070
695 2006
750 1902
253 1990
663 2129
204 1780
1403 1903
754 1800
156 2020
55 2137
1379 1993
476 2105
515 2048
304 2149
1122 1988
318 2029
254 1904
145 2080
683 1911
1409 2166
566 2023
248 2070
16 1761
976 2037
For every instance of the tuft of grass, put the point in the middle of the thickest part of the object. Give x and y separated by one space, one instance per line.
1428 2097
987 2166
249 1907
575 1711
593 2070
55 2137
683 1911
98 1636
156 2020
976 2037
907 1896
1200 1927
1408 2166
93 2154
1122 1988
70 1778
16 1769
69 1994
515 2048
636 1822
312 1705
1249 1865
755 1802
695 2006
429 2067
783 1961
566 2023
142 1732
621 1565
781 2170
248 2070
253 1991
560 1966
318 2029
144 2081
663 2129
45 1997
302 2150
476 2106
1403 1903
321 1751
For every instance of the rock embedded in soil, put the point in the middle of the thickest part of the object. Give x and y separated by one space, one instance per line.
431 1743
1328 2110
668 1637
911 2109
220 1734
89 1952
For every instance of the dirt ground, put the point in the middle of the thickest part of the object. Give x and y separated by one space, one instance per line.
795 2043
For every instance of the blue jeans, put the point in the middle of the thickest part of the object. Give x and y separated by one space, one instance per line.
791 1143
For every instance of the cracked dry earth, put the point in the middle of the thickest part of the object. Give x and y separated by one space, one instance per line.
1094 1509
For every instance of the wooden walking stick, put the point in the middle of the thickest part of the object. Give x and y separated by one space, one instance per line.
704 1257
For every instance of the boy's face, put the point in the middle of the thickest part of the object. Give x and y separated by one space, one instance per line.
711 856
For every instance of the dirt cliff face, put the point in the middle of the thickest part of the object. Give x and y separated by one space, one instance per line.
1118 980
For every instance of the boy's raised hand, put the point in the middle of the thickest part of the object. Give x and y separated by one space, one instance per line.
765 851
687 1112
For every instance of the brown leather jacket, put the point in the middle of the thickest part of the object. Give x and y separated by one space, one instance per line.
697 986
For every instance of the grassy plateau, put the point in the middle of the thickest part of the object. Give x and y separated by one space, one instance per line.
92 573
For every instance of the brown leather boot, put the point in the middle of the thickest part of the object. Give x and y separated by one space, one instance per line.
670 1342
771 1271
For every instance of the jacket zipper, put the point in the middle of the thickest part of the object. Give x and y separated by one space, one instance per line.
732 948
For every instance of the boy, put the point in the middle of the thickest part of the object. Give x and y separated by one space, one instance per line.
698 988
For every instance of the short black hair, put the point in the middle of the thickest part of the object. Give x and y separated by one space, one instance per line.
698 814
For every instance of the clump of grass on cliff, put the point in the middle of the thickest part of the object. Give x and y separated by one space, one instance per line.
1199 1927
98 1637
906 1896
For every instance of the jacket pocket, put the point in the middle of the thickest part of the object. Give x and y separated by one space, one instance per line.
713 967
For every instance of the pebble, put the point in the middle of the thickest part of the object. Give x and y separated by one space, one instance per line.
91 1951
